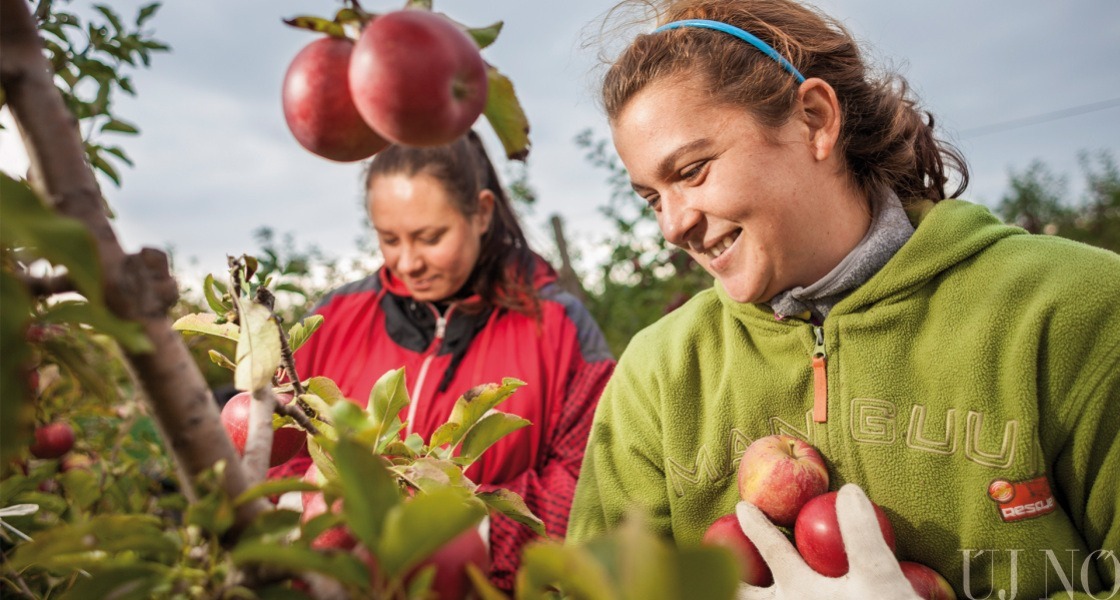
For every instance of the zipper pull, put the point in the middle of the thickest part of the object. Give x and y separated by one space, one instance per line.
820 379
441 326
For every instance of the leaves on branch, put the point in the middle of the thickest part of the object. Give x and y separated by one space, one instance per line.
503 111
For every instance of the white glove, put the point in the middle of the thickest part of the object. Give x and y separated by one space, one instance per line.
873 570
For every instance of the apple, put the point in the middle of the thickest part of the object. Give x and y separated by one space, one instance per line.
817 535
52 440
779 474
286 441
929 584
725 532
417 78
315 504
451 581
319 108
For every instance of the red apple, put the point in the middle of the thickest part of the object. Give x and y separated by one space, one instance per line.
286 441
335 537
779 474
417 78
929 584
817 535
52 440
725 531
451 581
319 108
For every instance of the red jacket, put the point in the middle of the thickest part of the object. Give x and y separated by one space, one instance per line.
373 325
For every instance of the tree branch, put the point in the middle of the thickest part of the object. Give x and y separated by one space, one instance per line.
180 399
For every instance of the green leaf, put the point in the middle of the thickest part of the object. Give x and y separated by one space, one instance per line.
484 36
512 505
146 12
386 400
258 348
317 24
321 457
15 405
82 487
482 585
120 126
324 388
419 4
707 572
346 16
139 535
205 324
415 529
61 240
274 487
368 489
214 297
471 407
342 566
213 513
129 334
430 474
574 569
114 20
486 432
301 332
504 112
123 582
273 524
221 360
119 153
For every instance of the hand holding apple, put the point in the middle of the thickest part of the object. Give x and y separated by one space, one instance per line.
818 539
873 571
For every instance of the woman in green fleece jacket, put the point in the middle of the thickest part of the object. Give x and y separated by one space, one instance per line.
964 374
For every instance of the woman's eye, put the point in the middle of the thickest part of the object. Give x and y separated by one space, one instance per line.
431 241
653 202
693 171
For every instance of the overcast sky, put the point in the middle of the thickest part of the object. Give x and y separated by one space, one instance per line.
215 160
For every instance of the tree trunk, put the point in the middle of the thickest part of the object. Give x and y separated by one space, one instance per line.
137 287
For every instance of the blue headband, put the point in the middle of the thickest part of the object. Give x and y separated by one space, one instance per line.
739 33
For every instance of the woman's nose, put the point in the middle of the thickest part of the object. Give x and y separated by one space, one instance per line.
410 261
678 217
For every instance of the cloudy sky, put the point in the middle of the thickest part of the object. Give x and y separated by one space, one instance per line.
215 161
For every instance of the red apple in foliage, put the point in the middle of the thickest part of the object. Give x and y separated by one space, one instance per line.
817 535
315 504
417 78
319 108
929 584
286 441
779 474
53 440
451 581
725 531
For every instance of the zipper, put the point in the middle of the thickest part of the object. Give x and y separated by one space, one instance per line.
820 377
441 329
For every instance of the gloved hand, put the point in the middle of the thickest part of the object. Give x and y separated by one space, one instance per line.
873 570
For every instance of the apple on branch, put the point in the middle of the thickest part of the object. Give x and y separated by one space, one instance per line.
52 440
286 441
319 108
779 474
417 78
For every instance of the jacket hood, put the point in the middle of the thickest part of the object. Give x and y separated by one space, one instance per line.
946 234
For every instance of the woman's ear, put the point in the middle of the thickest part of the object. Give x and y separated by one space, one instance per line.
485 210
821 112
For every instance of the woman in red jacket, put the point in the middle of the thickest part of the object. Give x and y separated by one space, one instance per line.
461 300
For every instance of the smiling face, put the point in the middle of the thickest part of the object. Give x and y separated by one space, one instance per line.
761 210
426 241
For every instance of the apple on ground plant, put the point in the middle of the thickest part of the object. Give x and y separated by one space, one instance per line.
779 474
315 504
319 108
417 78
286 441
52 440
929 584
726 532
817 535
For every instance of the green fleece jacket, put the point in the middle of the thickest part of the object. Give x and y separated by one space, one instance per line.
973 392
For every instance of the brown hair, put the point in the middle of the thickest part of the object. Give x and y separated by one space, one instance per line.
503 275
886 139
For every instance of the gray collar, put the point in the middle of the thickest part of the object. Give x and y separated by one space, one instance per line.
889 230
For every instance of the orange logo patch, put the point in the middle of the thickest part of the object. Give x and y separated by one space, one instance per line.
1023 499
